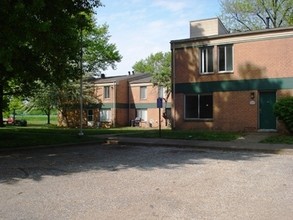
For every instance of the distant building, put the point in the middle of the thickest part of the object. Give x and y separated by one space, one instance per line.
230 81
129 100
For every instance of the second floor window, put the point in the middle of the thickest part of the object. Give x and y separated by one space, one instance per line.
106 92
206 60
225 58
143 92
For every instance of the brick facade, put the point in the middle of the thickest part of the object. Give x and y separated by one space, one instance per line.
262 71
124 102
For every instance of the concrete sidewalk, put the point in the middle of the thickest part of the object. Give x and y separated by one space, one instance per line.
249 142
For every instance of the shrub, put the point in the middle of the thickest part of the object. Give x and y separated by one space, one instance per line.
283 109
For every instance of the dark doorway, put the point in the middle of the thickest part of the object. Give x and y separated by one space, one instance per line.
267 119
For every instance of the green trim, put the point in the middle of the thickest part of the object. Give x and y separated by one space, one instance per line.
132 105
235 85
117 105
143 105
146 105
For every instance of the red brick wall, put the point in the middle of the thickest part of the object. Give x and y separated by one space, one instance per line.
233 110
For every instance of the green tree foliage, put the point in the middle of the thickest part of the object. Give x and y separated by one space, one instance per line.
159 66
44 99
39 41
283 109
243 15
98 54
68 99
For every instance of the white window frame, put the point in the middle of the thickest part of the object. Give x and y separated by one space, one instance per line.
143 92
106 92
206 60
142 113
105 115
226 58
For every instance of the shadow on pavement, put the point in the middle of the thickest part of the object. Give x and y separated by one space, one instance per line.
35 164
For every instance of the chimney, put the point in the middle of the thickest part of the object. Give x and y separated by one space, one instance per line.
103 76
129 73
267 22
132 72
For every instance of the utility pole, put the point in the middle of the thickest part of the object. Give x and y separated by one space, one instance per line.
81 73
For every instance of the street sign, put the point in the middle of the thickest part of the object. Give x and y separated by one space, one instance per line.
159 103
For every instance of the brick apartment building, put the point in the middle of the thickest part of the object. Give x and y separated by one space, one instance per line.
230 81
126 98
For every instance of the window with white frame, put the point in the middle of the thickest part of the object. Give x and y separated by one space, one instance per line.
90 115
142 113
143 92
225 56
199 106
105 115
206 60
106 92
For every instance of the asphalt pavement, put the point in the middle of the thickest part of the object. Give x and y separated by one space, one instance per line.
125 182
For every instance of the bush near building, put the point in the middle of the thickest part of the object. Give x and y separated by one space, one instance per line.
283 109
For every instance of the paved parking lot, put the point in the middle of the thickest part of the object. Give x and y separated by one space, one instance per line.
136 182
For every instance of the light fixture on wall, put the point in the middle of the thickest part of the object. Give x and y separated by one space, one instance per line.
252 95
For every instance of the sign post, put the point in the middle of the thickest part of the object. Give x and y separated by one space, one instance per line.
160 105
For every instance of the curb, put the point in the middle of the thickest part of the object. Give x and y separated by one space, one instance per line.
200 146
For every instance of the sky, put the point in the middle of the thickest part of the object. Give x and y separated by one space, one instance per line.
139 28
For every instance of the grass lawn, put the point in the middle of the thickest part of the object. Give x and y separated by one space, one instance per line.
35 135
279 139
26 136
39 133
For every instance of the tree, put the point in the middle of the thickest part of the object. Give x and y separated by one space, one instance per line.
97 54
244 15
159 66
44 99
283 109
39 41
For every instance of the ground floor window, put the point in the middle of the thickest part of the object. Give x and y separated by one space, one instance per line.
142 113
105 115
199 106
90 115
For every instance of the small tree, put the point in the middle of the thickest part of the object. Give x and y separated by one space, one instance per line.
44 99
283 109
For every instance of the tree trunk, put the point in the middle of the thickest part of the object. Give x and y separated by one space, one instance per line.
49 116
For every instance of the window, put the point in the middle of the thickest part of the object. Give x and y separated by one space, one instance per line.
199 106
142 113
105 115
143 92
206 59
90 115
106 92
225 58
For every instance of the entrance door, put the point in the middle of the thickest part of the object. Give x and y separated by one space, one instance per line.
267 119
